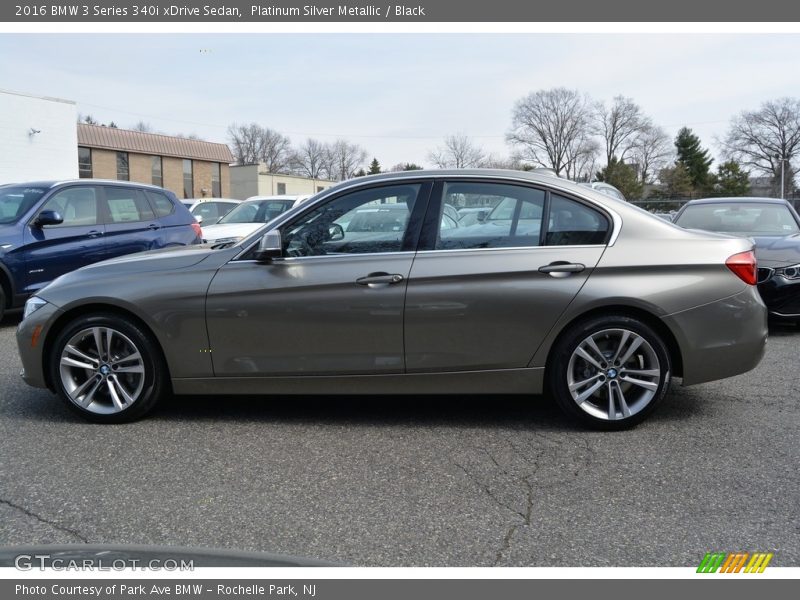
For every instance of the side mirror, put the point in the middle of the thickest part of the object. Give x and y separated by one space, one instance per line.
270 247
48 217
336 233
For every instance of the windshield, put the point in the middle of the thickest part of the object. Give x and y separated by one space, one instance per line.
256 211
15 201
743 218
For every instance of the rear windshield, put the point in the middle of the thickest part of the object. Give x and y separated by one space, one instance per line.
740 217
15 201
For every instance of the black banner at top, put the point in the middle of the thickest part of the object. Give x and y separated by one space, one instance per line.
105 11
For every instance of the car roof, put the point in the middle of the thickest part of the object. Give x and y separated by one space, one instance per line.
282 197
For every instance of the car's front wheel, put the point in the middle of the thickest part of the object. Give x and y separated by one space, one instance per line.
107 368
609 372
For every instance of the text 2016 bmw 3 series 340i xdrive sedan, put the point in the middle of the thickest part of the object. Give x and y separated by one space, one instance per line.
372 288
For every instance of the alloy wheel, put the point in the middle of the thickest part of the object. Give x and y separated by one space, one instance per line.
613 374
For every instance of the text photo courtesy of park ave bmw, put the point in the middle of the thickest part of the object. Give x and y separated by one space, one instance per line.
395 297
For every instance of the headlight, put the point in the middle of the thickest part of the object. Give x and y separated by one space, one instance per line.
33 304
792 272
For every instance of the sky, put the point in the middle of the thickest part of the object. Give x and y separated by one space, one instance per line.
397 95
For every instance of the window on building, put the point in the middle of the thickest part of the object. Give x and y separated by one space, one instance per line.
188 179
123 167
216 180
281 189
320 188
157 174
85 162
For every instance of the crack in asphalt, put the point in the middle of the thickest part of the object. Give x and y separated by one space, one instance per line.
526 516
41 519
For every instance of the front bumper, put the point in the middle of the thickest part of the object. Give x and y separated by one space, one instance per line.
31 335
721 339
781 295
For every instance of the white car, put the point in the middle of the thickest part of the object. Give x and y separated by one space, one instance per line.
247 217
210 210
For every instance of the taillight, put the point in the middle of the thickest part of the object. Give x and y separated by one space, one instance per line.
744 266
198 230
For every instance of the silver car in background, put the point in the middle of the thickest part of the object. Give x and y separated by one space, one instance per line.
565 291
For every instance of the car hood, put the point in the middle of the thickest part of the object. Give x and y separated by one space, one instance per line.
778 251
229 230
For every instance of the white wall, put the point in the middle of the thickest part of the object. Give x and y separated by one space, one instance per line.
50 154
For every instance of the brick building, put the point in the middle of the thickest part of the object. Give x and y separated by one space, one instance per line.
190 168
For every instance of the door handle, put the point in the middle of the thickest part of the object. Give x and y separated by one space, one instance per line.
379 279
561 268
154 226
94 233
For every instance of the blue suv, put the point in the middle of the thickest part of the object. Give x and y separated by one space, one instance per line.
50 228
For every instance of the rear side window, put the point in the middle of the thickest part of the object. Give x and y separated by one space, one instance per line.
512 218
127 205
161 203
573 224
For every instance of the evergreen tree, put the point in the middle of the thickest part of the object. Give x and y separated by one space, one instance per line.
623 177
677 182
731 180
374 167
694 158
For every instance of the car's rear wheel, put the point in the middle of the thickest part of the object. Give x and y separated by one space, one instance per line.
2 302
609 372
108 369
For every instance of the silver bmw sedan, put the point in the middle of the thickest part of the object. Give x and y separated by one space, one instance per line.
372 288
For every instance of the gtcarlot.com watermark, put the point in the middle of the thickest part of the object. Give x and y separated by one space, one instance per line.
42 562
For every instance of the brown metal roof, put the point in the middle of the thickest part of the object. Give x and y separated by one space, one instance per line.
111 138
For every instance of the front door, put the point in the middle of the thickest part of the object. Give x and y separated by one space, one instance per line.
333 305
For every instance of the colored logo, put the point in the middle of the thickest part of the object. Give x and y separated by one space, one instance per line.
734 562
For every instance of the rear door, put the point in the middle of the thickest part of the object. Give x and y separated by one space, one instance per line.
484 296
131 224
53 250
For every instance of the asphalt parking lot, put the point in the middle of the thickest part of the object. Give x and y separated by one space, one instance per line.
417 481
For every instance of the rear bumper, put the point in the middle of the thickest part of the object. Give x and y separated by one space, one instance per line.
721 339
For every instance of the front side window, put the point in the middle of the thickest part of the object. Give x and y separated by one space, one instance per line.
513 216
127 205
77 206
85 162
188 179
156 171
123 167
362 222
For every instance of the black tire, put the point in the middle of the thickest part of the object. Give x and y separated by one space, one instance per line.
154 383
610 328
2 302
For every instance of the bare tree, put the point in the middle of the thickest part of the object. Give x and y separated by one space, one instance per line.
309 159
763 139
651 150
252 144
581 158
143 127
619 125
342 159
549 126
458 152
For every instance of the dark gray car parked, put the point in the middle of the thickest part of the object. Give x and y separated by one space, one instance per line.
572 292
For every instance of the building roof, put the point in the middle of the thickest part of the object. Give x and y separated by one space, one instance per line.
112 138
